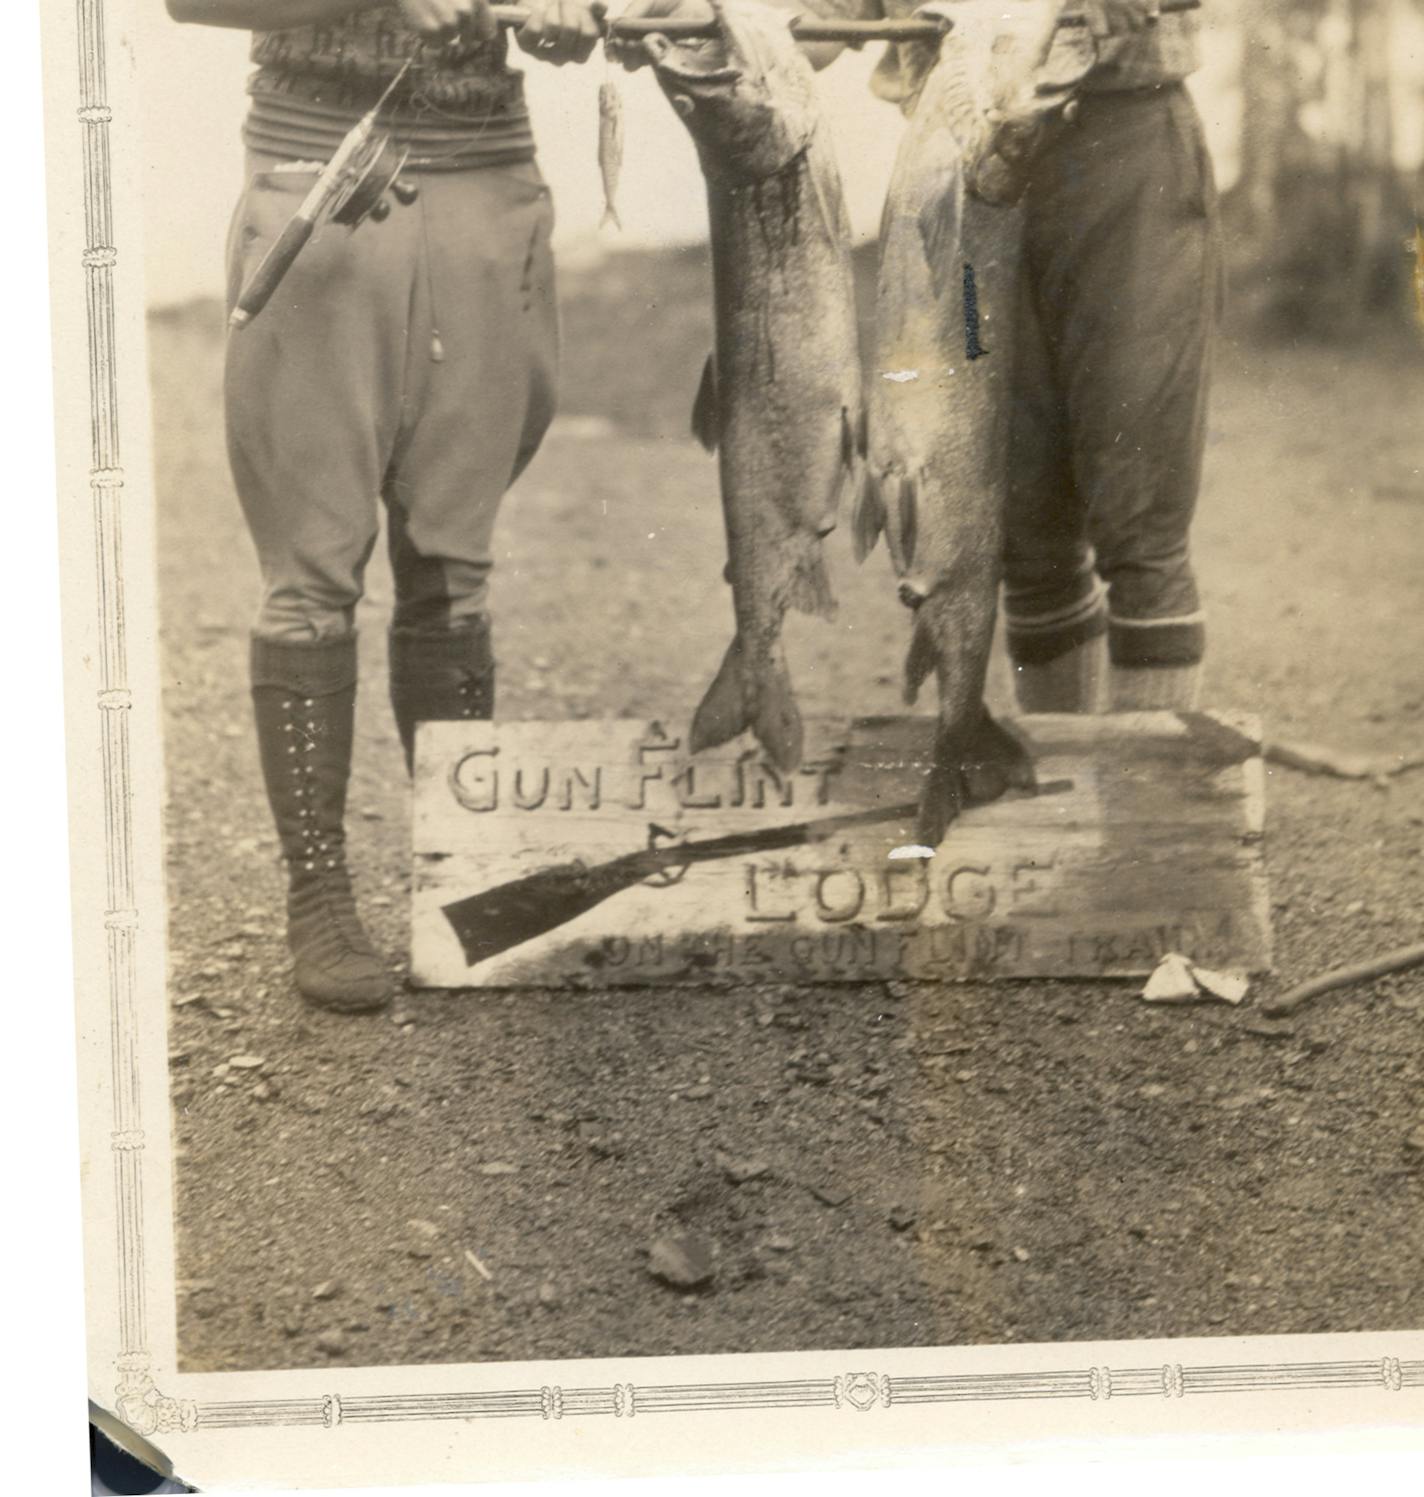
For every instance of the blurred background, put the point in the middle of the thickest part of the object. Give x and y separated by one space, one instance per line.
1314 110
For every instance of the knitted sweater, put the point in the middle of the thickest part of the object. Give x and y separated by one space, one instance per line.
463 107
1164 53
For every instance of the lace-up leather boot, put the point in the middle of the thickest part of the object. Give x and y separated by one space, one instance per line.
304 696
440 675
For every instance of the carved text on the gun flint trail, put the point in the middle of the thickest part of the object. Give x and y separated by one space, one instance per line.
654 778
843 951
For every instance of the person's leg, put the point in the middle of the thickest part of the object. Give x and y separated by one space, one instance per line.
483 410
310 386
1131 269
1054 604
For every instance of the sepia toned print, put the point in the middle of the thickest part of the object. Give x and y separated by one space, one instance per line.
442 1035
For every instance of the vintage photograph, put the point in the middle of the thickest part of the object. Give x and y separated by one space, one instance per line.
790 649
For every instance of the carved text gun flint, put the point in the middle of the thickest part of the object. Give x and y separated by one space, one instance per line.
352 185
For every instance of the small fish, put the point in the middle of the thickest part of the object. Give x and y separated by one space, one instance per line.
610 149
780 400
947 291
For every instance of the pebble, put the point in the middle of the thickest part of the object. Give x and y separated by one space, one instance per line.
901 1218
548 1295
499 1167
829 1195
697 1093
427 1230
333 1343
246 1062
1265 1030
327 1289
1021 1254
1151 1090
682 1259
740 1171
780 1244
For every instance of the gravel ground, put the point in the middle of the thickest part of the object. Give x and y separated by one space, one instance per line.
481 1177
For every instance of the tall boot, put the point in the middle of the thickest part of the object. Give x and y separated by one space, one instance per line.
440 675
304 696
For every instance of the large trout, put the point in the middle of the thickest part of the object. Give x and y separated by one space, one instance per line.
939 406
781 398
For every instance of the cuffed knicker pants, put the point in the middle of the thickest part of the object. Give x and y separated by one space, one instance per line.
1121 293
334 399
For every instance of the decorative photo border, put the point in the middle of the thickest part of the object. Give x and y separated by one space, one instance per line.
136 1395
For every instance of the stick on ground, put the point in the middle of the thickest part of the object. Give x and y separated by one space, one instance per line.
1399 960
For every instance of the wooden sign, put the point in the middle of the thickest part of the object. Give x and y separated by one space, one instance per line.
578 853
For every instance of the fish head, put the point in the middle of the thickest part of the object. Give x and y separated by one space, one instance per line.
1010 75
746 96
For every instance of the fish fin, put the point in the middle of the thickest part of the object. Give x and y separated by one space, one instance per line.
921 660
725 711
705 412
846 480
908 514
970 772
867 518
810 587
610 218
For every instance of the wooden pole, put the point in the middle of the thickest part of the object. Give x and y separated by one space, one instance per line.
1392 961
924 28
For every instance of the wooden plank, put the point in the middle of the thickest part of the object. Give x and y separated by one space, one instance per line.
598 853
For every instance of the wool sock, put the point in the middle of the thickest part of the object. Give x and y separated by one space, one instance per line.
1074 681
1154 688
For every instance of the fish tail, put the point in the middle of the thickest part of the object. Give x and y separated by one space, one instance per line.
736 701
610 218
970 770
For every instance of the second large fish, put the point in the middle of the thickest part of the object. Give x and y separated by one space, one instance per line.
945 307
781 397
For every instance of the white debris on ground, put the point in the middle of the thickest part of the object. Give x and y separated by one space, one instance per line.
1178 979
